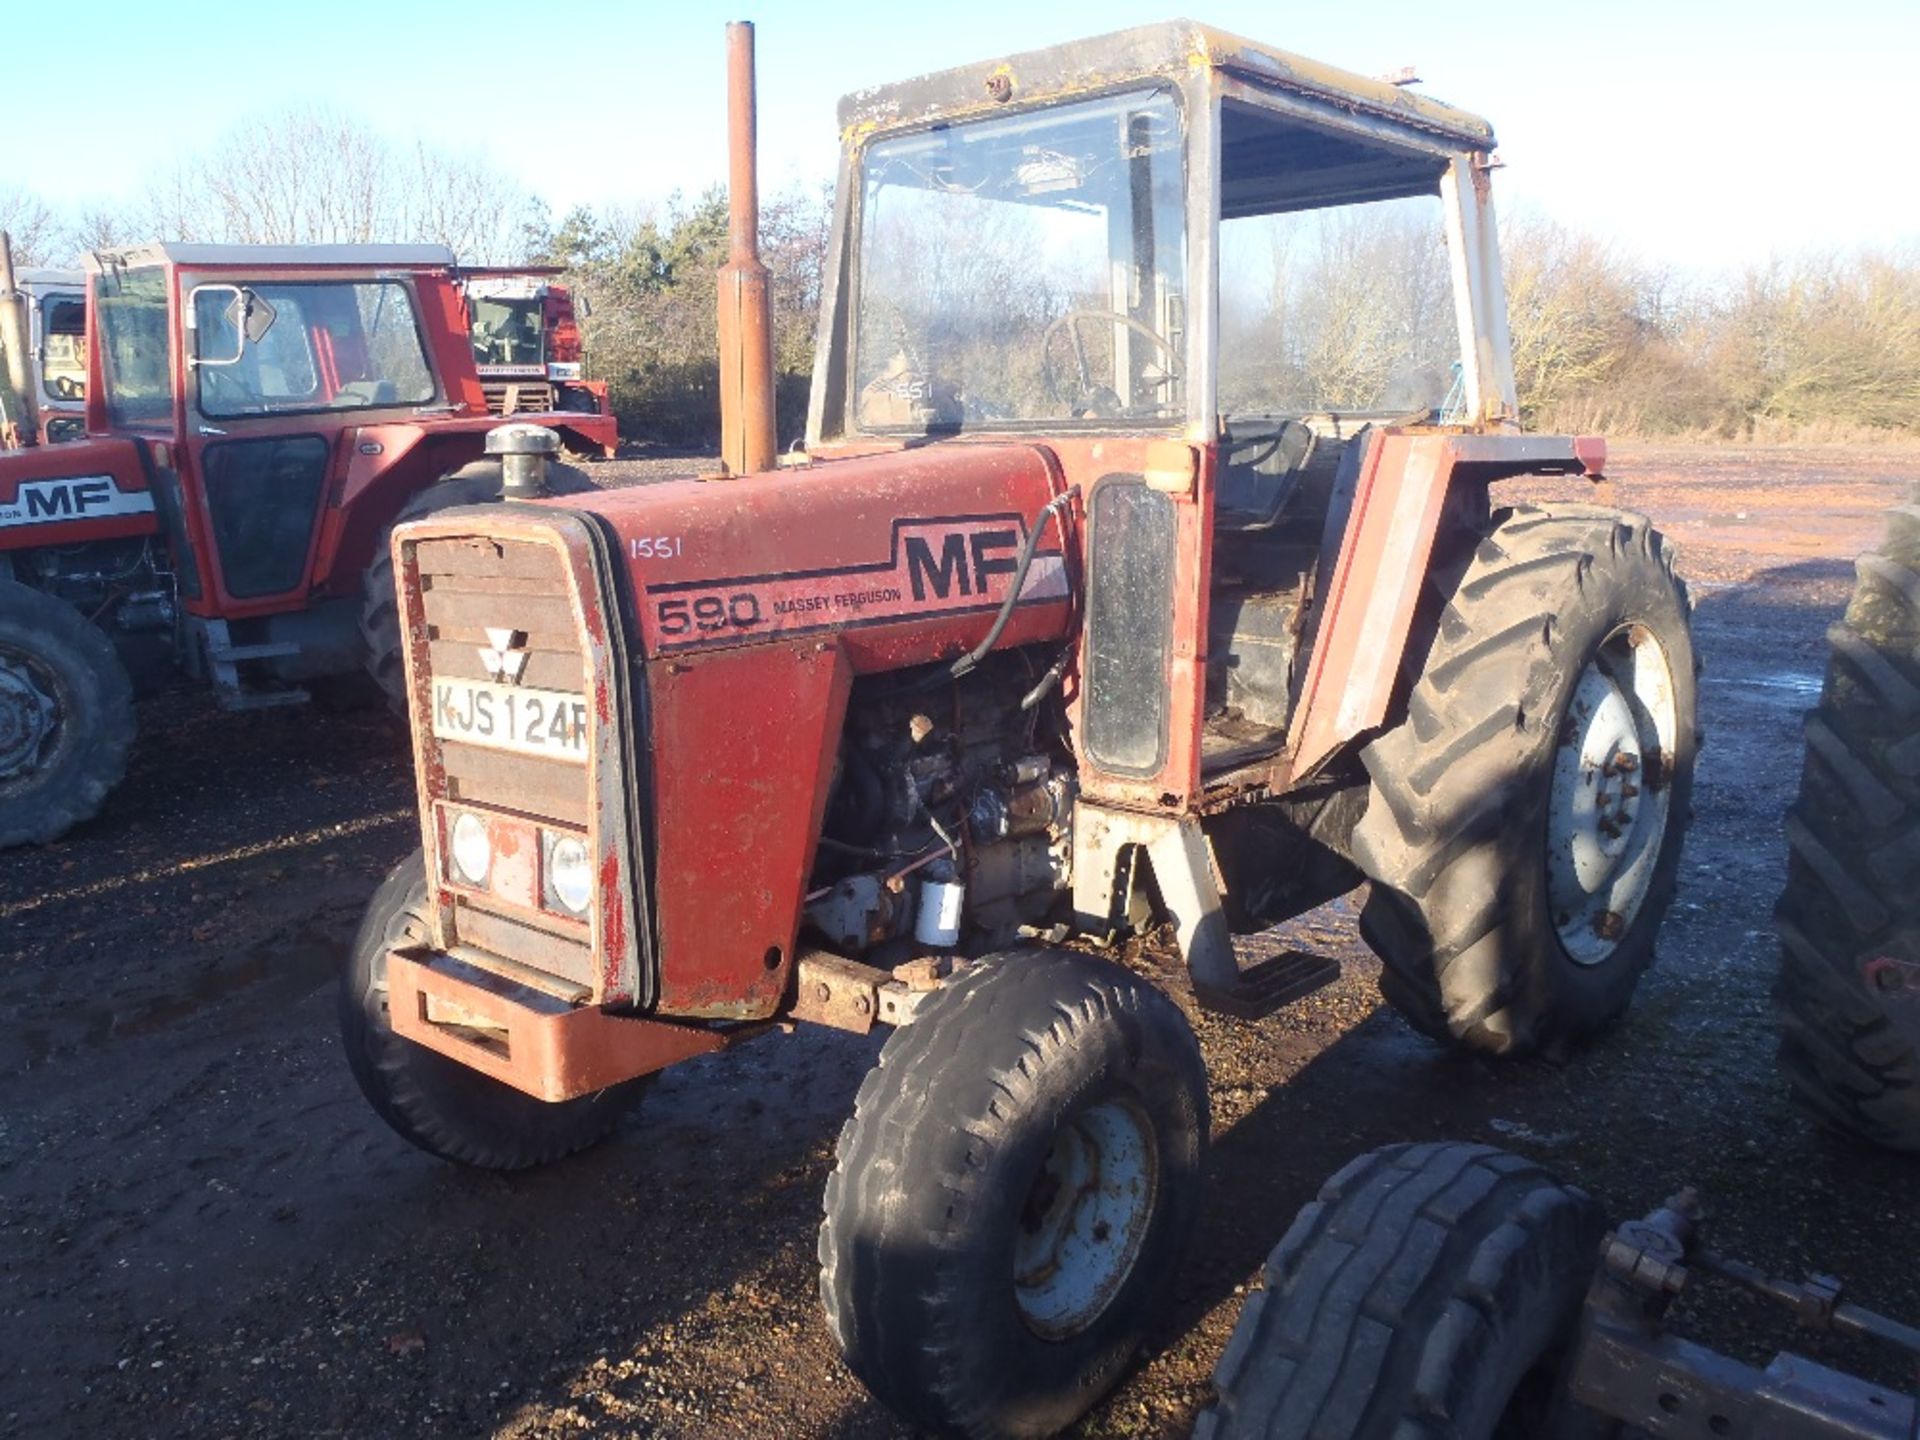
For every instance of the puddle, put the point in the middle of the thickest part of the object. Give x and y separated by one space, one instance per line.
1802 687
278 971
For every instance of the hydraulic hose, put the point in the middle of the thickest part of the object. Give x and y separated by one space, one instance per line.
1053 510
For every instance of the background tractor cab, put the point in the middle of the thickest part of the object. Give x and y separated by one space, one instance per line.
257 417
527 349
56 356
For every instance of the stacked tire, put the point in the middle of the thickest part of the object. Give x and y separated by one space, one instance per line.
1849 919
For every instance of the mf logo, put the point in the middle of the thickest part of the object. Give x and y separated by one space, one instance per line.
967 561
77 497
504 655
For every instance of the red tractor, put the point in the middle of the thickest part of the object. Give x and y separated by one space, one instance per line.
257 418
1085 610
50 343
526 346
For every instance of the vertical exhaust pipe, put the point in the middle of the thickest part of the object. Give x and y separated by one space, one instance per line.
746 320
24 417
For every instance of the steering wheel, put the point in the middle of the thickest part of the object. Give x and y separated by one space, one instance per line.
67 388
1090 401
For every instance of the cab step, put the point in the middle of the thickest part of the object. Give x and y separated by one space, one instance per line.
260 699
1267 985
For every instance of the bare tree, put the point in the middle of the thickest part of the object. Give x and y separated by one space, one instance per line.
314 175
32 224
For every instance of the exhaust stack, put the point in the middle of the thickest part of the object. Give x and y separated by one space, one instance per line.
746 322
24 417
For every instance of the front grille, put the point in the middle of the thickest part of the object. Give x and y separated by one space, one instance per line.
468 587
522 397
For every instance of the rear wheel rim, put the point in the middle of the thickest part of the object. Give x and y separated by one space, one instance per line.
1611 796
1084 1220
31 714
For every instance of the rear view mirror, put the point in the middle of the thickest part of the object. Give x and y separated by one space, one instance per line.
221 333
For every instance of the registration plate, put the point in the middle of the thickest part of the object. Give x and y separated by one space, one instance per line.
552 723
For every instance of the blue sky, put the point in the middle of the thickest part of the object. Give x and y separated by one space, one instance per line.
1703 135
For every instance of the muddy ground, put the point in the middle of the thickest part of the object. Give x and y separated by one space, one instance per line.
204 1231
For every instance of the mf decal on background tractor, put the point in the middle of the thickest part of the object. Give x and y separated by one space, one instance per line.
43 355
256 418
1092 604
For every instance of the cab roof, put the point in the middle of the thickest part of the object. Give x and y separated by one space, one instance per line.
38 277
1169 50
171 252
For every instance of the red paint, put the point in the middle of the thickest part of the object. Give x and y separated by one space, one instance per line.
744 742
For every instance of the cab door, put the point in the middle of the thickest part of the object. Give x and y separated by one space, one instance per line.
263 476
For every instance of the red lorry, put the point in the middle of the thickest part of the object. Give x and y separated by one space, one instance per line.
528 351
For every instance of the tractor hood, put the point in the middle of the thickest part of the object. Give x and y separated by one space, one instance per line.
904 556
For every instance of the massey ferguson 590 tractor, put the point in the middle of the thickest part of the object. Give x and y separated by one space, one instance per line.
256 419
1074 618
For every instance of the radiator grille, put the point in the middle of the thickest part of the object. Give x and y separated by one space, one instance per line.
523 397
469 586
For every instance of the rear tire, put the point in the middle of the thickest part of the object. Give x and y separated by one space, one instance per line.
433 1101
1428 1292
66 717
1012 1193
1849 919
478 483
1523 830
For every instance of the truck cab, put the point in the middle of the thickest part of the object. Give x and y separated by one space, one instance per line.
527 348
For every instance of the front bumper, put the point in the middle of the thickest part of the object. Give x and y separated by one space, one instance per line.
525 1037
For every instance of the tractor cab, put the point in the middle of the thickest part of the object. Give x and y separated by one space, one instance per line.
1221 281
263 382
57 321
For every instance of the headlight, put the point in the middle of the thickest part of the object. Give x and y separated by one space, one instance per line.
569 876
472 849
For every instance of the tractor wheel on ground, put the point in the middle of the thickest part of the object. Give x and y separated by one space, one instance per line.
1849 920
437 1103
478 483
1012 1193
1523 829
1429 1291
66 717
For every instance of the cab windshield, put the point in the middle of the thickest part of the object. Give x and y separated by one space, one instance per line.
1025 270
507 332
291 346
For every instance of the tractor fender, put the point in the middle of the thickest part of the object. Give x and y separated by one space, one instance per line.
1381 536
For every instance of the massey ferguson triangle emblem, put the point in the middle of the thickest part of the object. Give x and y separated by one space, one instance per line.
504 658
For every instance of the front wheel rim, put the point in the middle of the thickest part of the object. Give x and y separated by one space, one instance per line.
31 714
1084 1220
1612 793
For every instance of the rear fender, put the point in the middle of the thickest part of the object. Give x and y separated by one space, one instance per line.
1384 554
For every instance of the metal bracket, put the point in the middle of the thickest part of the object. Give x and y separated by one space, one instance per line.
846 995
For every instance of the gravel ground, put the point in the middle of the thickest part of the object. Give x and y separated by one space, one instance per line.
204 1231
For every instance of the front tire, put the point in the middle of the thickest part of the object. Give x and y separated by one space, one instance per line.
66 717
433 1101
1524 825
1849 920
1427 1292
1012 1193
